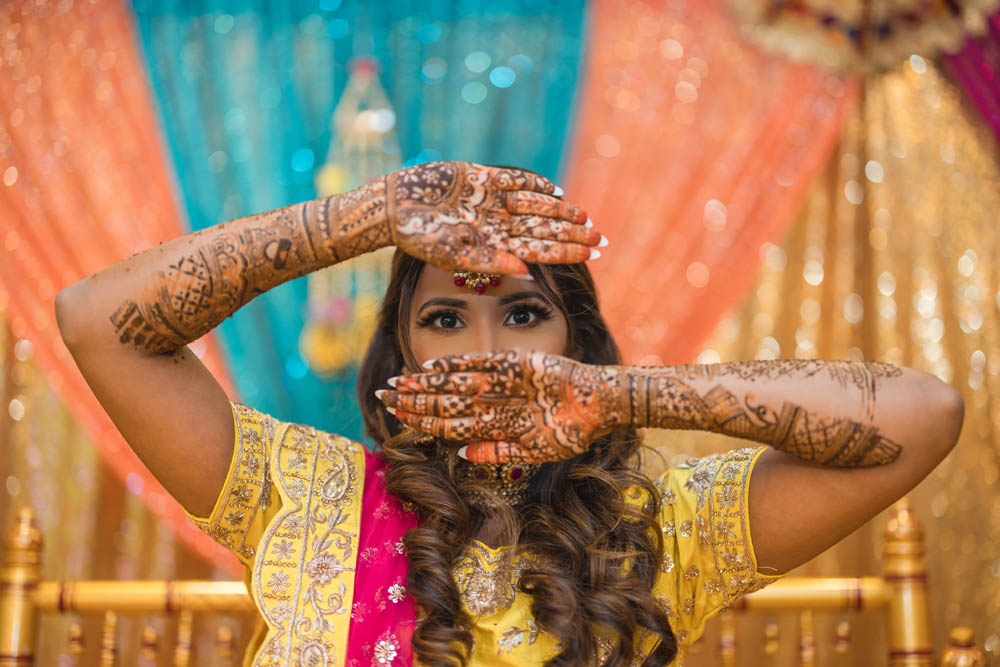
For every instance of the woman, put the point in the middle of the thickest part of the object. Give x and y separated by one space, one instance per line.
506 519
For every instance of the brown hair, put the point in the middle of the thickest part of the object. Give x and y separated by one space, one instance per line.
594 556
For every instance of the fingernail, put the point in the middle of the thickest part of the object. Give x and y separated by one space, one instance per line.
525 276
589 223
461 453
391 411
558 192
379 393
429 364
604 241
594 254
392 381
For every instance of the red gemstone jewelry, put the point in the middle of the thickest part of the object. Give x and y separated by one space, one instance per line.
477 282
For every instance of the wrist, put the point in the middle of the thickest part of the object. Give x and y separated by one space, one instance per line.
629 397
346 225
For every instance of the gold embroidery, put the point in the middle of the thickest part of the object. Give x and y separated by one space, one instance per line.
514 636
485 580
245 496
396 593
303 579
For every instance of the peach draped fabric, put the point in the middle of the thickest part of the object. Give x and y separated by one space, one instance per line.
692 149
83 184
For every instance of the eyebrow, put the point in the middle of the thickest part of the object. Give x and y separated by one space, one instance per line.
461 303
517 296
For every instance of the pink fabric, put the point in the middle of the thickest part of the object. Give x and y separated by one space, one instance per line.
380 618
977 68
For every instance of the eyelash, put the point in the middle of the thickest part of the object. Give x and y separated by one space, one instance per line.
541 312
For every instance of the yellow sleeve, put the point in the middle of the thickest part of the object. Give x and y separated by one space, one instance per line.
709 559
248 498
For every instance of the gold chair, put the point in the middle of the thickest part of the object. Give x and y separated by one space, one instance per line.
901 591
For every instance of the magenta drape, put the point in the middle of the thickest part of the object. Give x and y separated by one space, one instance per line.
977 69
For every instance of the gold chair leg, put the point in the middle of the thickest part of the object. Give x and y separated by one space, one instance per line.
19 576
727 640
906 573
807 639
182 653
109 651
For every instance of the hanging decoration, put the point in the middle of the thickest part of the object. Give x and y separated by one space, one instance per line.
863 36
343 299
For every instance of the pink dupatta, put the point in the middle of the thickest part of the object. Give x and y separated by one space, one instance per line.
383 616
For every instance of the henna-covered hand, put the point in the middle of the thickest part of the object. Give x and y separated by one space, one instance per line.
470 217
510 405
534 407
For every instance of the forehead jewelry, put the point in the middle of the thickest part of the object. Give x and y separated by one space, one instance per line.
476 281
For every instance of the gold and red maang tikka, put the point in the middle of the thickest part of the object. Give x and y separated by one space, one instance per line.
477 282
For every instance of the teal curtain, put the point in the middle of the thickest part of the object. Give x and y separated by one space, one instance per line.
246 91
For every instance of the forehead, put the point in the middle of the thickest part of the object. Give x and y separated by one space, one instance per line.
437 282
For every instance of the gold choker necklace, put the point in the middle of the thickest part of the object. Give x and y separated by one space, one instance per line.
510 481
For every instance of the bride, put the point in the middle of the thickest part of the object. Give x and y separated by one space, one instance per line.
504 516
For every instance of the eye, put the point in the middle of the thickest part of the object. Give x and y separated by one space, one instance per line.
527 315
441 319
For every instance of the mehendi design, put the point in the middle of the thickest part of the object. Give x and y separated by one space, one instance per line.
455 215
537 407
530 407
865 376
833 441
468 217
212 273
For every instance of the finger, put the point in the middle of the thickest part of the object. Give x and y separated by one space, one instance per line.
537 227
494 361
461 384
465 428
535 203
484 259
486 451
510 178
542 251
434 405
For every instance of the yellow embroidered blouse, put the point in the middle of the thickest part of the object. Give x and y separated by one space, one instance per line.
709 559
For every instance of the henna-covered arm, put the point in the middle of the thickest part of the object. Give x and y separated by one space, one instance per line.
848 439
128 327
801 407
166 297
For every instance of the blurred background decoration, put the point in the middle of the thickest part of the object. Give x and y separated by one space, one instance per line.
777 179
866 36
343 299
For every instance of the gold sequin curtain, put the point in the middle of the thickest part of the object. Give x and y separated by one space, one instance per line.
893 258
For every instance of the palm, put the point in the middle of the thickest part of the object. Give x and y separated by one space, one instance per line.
465 216
513 405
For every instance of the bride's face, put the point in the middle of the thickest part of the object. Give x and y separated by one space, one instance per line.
447 319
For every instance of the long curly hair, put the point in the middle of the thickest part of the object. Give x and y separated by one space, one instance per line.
594 556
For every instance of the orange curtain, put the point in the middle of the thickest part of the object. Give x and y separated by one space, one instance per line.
83 184
692 150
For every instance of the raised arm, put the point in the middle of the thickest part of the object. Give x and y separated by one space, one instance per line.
848 438
128 326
